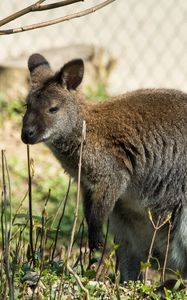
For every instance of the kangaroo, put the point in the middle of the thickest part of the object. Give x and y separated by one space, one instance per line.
134 159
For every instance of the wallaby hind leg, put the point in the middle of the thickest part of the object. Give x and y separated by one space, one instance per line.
128 264
132 236
178 245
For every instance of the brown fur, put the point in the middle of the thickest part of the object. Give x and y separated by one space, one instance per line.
134 158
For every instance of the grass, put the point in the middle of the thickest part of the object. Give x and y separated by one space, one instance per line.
98 94
37 213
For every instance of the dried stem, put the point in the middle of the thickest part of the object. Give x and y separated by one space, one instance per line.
78 190
50 22
9 197
79 259
156 228
43 229
79 282
81 244
6 237
30 205
60 220
3 196
76 218
57 214
167 251
98 272
19 207
78 232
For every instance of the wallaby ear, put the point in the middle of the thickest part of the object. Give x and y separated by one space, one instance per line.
36 60
71 74
39 68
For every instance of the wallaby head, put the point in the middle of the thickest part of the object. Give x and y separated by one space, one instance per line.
52 103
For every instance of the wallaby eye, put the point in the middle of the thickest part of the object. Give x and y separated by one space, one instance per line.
53 109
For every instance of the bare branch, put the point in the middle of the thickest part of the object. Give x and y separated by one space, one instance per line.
56 5
20 13
53 21
36 7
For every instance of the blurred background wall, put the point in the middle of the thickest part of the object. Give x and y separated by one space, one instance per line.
148 38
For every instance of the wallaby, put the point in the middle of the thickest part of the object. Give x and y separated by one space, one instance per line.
134 159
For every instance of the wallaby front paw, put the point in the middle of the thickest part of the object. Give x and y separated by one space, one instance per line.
96 241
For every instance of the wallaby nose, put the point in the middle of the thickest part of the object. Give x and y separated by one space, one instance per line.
28 135
30 132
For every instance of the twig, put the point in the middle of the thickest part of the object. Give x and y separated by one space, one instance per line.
78 281
9 197
78 190
60 220
43 229
79 258
98 272
19 207
167 251
156 228
17 254
56 5
30 205
3 282
113 267
42 243
59 207
20 13
6 252
2 205
78 232
36 7
76 218
58 20
81 254
9 233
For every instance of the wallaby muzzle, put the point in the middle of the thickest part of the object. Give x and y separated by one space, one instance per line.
28 135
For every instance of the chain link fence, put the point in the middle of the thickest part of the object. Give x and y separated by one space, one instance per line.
148 38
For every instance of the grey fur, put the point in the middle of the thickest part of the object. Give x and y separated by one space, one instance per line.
134 159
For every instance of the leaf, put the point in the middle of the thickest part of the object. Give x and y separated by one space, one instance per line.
115 246
150 215
177 284
144 265
32 167
20 224
168 217
26 216
90 274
